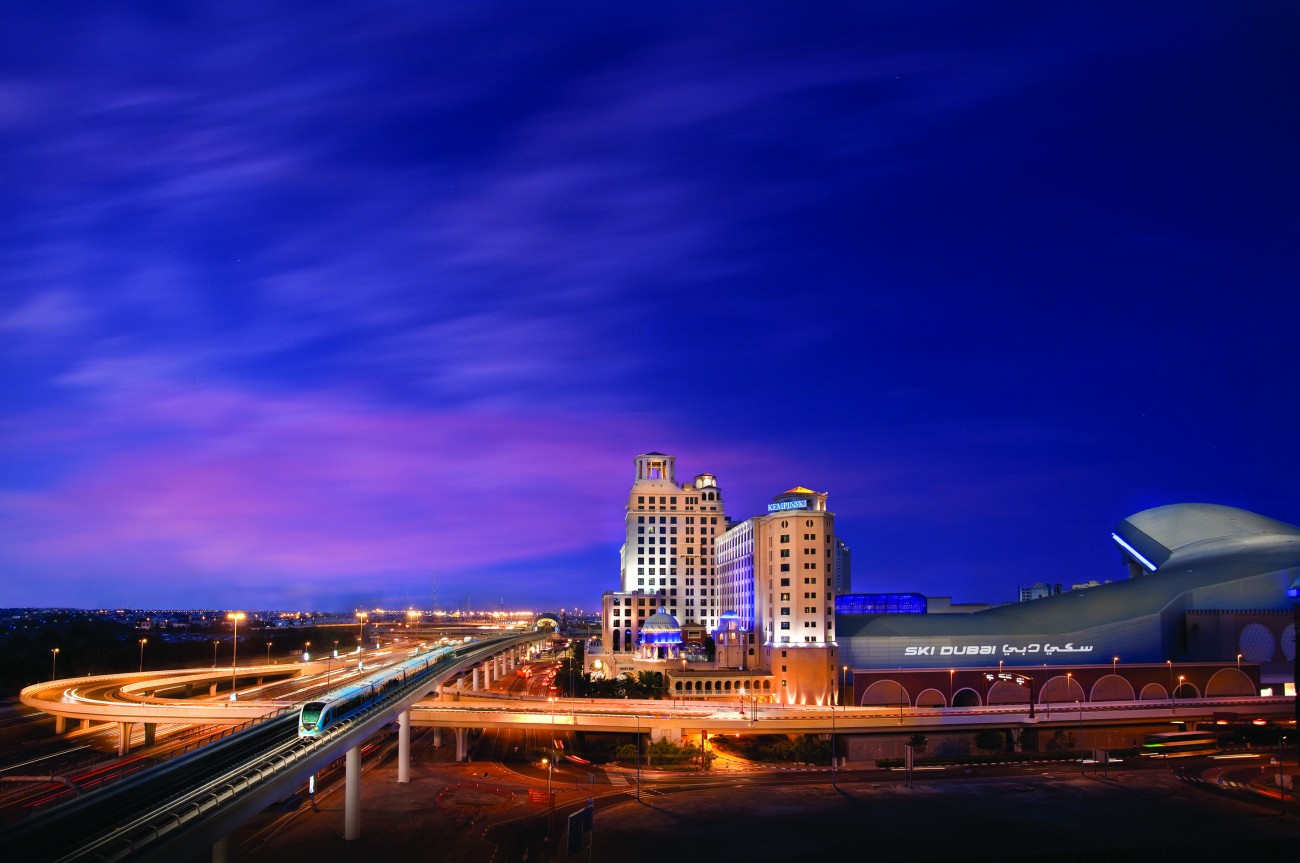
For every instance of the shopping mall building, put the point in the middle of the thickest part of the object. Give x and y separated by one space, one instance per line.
1208 609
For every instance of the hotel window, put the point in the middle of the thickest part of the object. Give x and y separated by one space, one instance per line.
785 582
785 624
785 552
785 611
785 537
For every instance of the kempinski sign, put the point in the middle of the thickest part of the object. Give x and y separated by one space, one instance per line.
787 504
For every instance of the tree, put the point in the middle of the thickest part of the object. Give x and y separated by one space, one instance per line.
990 740
918 744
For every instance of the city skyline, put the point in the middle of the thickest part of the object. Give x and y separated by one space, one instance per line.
353 308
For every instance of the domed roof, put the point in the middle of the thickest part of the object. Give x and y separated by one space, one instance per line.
661 621
728 615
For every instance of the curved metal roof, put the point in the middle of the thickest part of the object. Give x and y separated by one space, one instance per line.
1208 545
1185 533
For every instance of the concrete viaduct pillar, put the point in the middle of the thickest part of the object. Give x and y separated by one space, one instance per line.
352 795
462 744
404 747
60 724
149 729
474 677
123 738
437 738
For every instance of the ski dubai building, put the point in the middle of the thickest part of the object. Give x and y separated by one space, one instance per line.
1211 587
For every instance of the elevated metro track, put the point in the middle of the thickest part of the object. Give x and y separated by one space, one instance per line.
197 799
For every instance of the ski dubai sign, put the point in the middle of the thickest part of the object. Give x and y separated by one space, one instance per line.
1036 650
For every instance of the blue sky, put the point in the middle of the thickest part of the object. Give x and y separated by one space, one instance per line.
332 305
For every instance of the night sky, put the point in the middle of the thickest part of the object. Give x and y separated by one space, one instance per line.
327 306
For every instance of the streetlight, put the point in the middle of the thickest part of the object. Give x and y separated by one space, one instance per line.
1170 663
951 672
844 684
54 664
1114 664
638 758
833 759
1239 662
214 653
236 616
143 642
361 616
550 799
753 700
1080 704
268 653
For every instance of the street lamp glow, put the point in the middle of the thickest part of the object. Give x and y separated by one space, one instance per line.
54 664
143 642
361 616
236 616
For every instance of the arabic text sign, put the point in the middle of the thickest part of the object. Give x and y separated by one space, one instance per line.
1033 648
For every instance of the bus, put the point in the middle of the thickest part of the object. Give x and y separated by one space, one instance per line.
1180 744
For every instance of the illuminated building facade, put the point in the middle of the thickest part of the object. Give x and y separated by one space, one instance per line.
670 537
777 572
763 588
1209 586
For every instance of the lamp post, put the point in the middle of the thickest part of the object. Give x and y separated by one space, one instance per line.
951 672
214 653
1239 662
833 758
753 699
550 800
638 758
844 683
1114 665
268 653
361 616
236 616
54 663
1080 704
143 642
1181 678
1170 663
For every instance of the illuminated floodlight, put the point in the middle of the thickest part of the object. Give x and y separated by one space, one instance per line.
1133 551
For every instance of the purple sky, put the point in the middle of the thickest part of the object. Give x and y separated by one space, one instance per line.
305 305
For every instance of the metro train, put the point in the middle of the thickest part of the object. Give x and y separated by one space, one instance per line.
319 716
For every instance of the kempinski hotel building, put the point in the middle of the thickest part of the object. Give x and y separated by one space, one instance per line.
761 590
